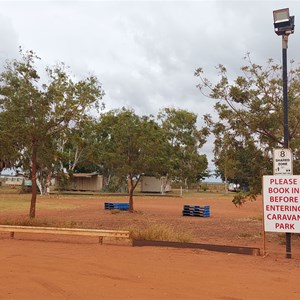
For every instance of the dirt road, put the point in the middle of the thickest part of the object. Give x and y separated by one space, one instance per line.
52 267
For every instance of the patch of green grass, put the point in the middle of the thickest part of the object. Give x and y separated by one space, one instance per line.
55 205
13 204
26 221
9 203
6 189
159 232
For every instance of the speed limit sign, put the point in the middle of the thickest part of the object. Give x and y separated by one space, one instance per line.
282 162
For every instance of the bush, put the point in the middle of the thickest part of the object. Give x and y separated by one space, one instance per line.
63 181
115 185
159 232
204 186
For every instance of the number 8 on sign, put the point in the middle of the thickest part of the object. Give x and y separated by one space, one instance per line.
282 162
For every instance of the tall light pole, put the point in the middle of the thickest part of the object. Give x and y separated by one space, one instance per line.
284 26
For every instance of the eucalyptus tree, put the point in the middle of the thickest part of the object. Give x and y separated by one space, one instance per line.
130 146
250 108
34 114
77 146
186 140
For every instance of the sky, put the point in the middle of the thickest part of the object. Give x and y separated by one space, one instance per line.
145 52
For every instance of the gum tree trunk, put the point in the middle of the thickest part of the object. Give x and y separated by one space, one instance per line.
33 179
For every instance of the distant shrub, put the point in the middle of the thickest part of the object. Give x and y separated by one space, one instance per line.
115 185
204 187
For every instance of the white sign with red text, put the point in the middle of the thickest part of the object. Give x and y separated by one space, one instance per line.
281 200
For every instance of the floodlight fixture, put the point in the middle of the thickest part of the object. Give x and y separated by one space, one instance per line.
284 24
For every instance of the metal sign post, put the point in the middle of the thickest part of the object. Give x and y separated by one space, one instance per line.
283 166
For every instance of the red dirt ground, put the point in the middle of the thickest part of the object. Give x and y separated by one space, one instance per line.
64 267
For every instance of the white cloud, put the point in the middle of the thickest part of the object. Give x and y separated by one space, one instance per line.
145 52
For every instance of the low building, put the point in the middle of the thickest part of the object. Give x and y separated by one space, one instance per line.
11 180
151 184
87 182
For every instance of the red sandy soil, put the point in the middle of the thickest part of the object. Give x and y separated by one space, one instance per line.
69 267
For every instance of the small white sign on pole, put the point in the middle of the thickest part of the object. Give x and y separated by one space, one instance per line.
282 162
281 201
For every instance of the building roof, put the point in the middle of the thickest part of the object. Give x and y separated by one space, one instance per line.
85 175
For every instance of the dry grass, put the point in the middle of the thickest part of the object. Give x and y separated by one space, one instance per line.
159 232
26 221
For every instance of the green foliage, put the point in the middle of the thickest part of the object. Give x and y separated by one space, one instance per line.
204 187
240 198
63 181
186 164
129 146
33 115
78 146
250 122
115 184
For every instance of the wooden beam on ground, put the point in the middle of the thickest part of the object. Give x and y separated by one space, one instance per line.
210 247
117 234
